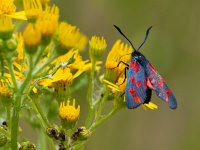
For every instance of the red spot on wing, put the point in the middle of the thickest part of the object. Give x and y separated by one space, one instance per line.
162 80
139 83
149 84
152 68
137 99
136 67
160 84
132 91
168 92
132 79
131 64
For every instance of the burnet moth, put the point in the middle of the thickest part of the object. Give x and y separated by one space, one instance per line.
142 78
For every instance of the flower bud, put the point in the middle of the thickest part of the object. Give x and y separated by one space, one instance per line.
97 47
32 38
69 114
53 131
11 44
81 134
27 146
6 27
3 139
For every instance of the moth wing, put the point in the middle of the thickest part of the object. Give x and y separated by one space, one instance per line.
157 83
135 92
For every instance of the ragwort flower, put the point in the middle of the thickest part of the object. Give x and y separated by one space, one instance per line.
33 9
48 21
69 37
69 113
8 8
120 52
97 47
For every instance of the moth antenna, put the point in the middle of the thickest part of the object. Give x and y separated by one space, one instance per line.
147 33
124 36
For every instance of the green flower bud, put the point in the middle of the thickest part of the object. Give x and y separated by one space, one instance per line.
81 134
3 139
53 131
27 146
11 44
97 47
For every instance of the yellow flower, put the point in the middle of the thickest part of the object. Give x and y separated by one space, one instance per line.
68 112
119 87
97 47
33 9
6 27
32 37
8 8
114 69
61 78
68 37
48 21
20 48
4 90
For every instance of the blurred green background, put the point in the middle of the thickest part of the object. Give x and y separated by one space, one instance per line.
173 47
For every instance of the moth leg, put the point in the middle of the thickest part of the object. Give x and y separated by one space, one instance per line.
127 65
125 69
148 96
122 94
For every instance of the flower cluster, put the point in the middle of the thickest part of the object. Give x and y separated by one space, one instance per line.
42 70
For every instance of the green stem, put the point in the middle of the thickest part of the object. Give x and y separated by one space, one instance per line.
8 116
11 71
101 121
17 106
15 122
102 105
39 114
42 140
39 109
43 121
91 112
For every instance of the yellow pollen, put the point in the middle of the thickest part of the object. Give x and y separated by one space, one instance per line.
68 112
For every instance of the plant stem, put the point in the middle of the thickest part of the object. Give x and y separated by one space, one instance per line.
39 109
91 112
102 105
11 71
8 116
18 97
101 121
15 122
